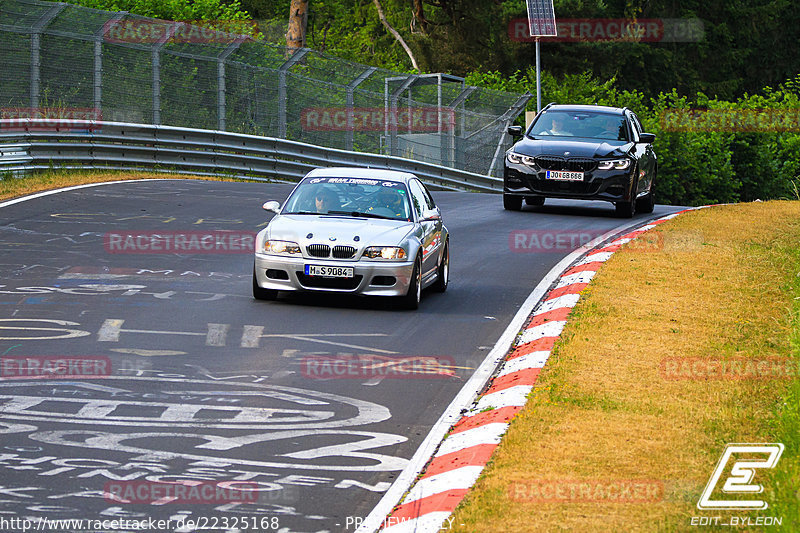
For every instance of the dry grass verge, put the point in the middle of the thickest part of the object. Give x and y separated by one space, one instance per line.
606 413
11 187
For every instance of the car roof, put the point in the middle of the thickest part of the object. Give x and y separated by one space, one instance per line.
367 173
596 108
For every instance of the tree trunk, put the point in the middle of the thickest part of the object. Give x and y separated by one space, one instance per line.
394 32
298 19
418 10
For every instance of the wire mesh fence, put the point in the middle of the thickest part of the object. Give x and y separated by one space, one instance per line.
60 58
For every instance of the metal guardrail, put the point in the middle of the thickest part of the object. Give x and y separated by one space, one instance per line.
40 144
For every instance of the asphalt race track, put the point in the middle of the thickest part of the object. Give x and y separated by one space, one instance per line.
194 381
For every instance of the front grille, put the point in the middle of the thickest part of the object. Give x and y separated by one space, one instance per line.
575 164
550 163
318 250
343 252
581 165
317 282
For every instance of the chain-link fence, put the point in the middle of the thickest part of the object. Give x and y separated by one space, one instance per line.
126 68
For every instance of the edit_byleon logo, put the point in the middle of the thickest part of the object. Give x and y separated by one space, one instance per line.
746 460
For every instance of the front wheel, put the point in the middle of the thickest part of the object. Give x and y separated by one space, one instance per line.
259 293
647 203
443 274
628 209
414 295
512 203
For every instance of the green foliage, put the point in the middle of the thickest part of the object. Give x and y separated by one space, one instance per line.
174 9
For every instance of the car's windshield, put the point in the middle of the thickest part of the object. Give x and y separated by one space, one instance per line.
580 124
373 198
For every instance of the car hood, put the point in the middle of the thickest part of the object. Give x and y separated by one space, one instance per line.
358 232
577 147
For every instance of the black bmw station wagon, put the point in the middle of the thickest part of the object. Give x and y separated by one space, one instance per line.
582 152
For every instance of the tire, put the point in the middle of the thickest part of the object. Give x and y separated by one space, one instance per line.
628 209
260 293
535 200
443 274
412 298
647 203
512 203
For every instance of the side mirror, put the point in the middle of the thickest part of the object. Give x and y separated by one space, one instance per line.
647 138
273 206
432 217
515 131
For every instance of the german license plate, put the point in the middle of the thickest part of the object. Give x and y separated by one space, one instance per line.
564 176
329 271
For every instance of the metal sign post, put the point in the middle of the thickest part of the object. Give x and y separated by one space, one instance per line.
541 23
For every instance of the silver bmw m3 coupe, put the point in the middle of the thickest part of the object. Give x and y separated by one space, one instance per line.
350 230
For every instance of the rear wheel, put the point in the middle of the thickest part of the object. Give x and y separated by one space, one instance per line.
443 275
512 203
259 293
414 295
535 200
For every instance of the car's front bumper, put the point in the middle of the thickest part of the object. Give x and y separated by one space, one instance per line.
610 185
371 278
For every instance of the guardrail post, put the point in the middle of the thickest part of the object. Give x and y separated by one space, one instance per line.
390 110
221 80
282 120
157 71
98 60
351 87
459 101
36 47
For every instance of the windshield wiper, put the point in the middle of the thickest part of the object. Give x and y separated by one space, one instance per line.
360 214
303 213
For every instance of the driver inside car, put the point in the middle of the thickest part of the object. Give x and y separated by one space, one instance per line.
390 200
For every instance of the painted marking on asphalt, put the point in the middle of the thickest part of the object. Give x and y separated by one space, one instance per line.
147 353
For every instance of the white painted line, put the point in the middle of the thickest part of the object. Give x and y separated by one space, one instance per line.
72 188
531 360
486 434
466 396
548 329
460 478
217 334
425 523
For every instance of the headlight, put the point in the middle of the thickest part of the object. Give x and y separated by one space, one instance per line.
517 159
616 164
281 248
385 252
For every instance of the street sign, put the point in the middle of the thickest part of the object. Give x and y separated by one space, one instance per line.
542 18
